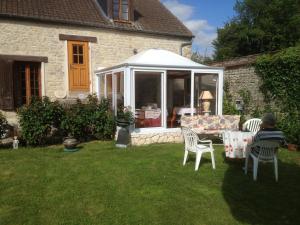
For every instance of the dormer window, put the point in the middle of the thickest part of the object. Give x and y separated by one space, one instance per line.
121 10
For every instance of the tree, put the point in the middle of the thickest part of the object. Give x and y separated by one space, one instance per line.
259 26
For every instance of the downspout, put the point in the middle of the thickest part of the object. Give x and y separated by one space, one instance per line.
184 45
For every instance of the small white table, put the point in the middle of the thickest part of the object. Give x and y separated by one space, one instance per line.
235 143
184 110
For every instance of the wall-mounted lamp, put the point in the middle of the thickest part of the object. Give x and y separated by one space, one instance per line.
239 105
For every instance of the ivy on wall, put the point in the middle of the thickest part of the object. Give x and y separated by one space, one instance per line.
280 75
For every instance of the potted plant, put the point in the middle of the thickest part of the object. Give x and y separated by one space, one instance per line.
124 120
73 126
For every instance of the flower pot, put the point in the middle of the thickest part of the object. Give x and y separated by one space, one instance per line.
70 144
123 138
292 147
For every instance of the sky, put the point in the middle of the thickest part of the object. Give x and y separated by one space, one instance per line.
202 17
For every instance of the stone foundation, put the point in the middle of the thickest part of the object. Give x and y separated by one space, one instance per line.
138 139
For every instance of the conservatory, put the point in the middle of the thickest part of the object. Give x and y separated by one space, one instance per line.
159 87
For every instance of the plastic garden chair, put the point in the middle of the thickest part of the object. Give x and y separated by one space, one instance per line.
191 144
252 125
263 151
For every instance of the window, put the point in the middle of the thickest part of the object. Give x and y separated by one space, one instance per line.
27 82
148 99
121 10
77 54
206 95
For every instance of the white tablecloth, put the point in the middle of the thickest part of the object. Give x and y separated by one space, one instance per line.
183 110
235 143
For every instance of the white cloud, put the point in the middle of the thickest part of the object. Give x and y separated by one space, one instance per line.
182 11
204 33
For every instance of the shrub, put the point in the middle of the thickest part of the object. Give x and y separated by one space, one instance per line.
74 121
289 123
93 119
3 125
101 118
38 119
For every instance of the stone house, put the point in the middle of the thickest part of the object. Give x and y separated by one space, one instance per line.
51 48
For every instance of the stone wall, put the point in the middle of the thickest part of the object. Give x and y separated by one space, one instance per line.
244 78
138 139
240 74
40 39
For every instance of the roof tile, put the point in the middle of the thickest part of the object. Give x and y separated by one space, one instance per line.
150 15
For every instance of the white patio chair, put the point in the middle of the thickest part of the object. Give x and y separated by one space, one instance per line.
252 125
263 151
191 144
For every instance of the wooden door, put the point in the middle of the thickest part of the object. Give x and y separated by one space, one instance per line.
79 78
6 85
27 82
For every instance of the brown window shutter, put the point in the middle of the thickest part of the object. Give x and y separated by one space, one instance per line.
6 85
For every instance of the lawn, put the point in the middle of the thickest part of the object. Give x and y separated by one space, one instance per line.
142 185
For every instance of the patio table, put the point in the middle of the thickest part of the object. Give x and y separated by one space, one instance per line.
235 143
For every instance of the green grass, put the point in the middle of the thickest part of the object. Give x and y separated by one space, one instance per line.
142 185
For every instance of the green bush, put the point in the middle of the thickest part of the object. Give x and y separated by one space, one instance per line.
101 119
3 124
74 120
38 119
289 123
93 119
280 75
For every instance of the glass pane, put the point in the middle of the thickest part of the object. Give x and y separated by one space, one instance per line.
80 59
206 93
116 14
75 49
116 9
34 81
124 16
148 100
102 83
80 49
109 89
178 96
120 90
75 59
23 86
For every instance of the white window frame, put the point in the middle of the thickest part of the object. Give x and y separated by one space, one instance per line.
163 75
